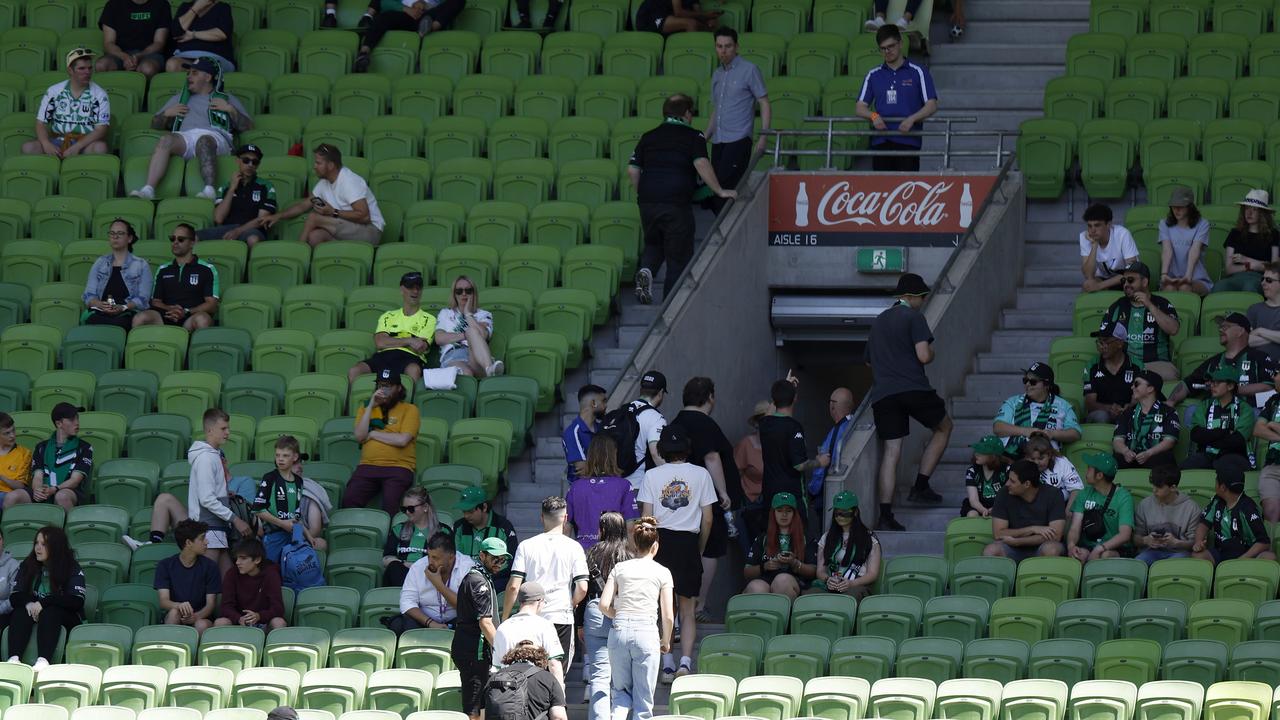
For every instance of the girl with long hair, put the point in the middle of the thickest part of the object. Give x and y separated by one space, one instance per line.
638 595
599 490
463 331
849 554
780 561
120 283
1184 238
1056 470
407 541
609 549
47 596
1252 244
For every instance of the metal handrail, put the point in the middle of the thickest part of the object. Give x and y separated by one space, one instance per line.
947 134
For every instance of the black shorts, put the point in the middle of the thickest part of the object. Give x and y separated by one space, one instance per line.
718 540
80 497
678 552
647 22
893 414
474 675
397 361
565 633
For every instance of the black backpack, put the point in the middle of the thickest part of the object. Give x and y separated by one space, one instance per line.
506 697
623 425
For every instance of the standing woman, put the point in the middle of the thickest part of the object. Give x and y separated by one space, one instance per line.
1184 236
1252 244
47 596
120 282
849 554
598 491
608 551
637 596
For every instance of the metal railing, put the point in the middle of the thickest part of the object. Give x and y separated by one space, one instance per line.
947 134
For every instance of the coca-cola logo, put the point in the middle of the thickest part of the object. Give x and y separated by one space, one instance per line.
912 203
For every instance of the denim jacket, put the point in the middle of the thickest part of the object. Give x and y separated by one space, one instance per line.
137 277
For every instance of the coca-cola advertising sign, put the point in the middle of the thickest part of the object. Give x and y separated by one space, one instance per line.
869 209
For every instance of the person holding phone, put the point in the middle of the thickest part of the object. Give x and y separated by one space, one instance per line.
387 430
341 205
782 561
1164 523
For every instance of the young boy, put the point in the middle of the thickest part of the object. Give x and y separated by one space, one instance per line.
251 594
188 582
985 477
279 500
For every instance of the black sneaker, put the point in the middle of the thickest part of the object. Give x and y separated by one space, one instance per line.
889 522
549 22
924 495
524 24
362 63
365 21
330 21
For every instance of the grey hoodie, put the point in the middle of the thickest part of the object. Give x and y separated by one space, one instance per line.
1179 519
8 575
207 495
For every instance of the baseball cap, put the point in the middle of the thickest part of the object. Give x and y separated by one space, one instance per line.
411 279
1152 378
529 592
77 53
784 499
1139 268
844 501
65 411
673 440
1233 479
388 377
653 380
1040 370
988 445
204 63
1235 318
250 148
1102 462
495 547
1181 196
470 499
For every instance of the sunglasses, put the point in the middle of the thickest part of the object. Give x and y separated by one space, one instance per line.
408 509
464 291
1130 280
250 160
1031 381
842 513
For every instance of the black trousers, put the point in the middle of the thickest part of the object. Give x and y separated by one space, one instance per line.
385 22
913 6
553 8
895 163
52 620
401 624
1201 461
668 237
730 163
394 574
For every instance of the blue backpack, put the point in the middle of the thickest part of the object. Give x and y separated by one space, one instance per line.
299 565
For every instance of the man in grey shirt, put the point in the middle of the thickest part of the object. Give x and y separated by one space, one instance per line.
736 88
1265 316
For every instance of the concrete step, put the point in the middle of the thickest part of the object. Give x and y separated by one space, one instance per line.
610 359
549 448
1012 341
993 385
967 53
1036 320
1059 231
1007 10
1047 298
910 542
1033 32
968 431
976 408
549 471
1052 277
979 98
997 363
936 516
1057 253
630 336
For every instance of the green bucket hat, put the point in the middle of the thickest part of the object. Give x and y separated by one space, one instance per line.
844 501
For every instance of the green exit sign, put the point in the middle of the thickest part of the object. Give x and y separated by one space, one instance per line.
882 260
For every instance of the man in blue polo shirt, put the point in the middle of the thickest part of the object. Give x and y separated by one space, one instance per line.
577 437
898 88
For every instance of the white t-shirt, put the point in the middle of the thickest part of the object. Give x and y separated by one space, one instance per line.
1110 259
1062 475
638 584
526 626
651 424
678 492
556 562
451 321
349 188
418 592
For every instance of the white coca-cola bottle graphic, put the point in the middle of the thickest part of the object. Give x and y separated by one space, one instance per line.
966 207
802 207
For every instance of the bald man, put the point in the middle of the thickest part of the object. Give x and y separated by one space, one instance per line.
840 406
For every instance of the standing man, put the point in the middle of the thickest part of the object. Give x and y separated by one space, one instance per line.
1108 382
208 490
186 290
903 91
474 628
74 115
1105 250
341 206
736 88
246 201
1147 323
840 407
664 170
387 430
642 451
60 466
783 449
403 338
899 346
577 437
478 523
528 625
134 35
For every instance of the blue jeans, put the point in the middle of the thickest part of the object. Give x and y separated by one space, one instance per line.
634 653
1149 556
595 667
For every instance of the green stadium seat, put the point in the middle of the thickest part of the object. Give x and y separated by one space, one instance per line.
736 655
524 181
590 182
164 646
1022 618
96 524
316 309
299 649
1118 579
770 696
633 55
1169 700
545 97
69 386
865 656
1266 623
541 356
31 263
934 658
269 429
91 178
995 659
254 394
104 563
1264 56
921 576
1046 147
284 352
161 438
368 649
1245 18
1228 620
68 685
1185 579
231 647
425 649
129 393
605 97
265 688
487 97
99 645
1246 579
1087 619
447 481
893 616
1047 577
452 53
1217 55
357 528
1256 661
1251 700
328 53
798 656
1135 661
358 568
510 55
1096 55
762 614
496 224
142 567
1125 18
1073 99
704 695
1162 620
902 697
1199 661
1232 181
573 54
517 138
463 180
1103 699
1164 177
337 690
134 687
483 18
22 522
158 348
189 393
1159 55
1107 149
396 692
131 605
201 688
824 615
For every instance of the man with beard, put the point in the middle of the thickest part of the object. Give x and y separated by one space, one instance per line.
1147 323
387 430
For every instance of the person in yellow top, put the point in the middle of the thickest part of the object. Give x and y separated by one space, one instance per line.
403 337
387 430
15 460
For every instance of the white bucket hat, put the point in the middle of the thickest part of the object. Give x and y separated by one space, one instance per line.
1259 199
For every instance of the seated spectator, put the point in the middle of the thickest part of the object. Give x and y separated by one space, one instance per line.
1039 409
577 437
243 203
463 332
1267 427
984 478
251 591
1102 514
49 596
1056 470
478 523
1106 250
387 430
15 460
429 597
60 466
8 573
599 490
418 16
1146 433
200 121
341 206
1027 519
1108 382
402 340
1165 522
75 114
186 290
1264 317
188 583
202 29
527 626
849 553
119 283
877 20
407 541
1252 366
1233 520
781 561
1184 235
1250 245
672 16
1150 344
135 34
1222 427
279 500
544 694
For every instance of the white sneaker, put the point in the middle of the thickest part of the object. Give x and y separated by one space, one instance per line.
667 676
146 192
684 670
874 24
208 193
497 367
15 660
133 544
902 23
40 664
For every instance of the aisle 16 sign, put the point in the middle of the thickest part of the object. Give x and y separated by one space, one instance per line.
873 209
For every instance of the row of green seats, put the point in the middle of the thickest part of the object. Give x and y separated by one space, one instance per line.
1194 313
44 711
1166 56
1186 19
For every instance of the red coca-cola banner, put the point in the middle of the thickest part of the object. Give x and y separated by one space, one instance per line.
873 209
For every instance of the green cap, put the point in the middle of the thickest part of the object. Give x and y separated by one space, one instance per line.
495 547
471 498
844 501
785 499
1225 373
1102 462
988 445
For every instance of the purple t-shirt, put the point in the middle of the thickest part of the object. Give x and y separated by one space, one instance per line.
589 498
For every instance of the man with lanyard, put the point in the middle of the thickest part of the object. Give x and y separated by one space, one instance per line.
577 437
840 408
246 200
404 336
1147 322
475 626
737 87
1235 522
1146 433
1222 427
664 170
429 596
74 115
1108 382
60 466
480 522
903 91
1253 367
186 290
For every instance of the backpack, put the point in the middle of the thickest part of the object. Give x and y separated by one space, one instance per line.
506 697
242 509
299 564
623 425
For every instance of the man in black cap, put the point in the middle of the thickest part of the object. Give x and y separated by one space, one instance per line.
186 290
664 170
1108 382
245 201
1254 368
404 337
1147 431
60 466
387 430
899 345
636 427
1147 322
1235 523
